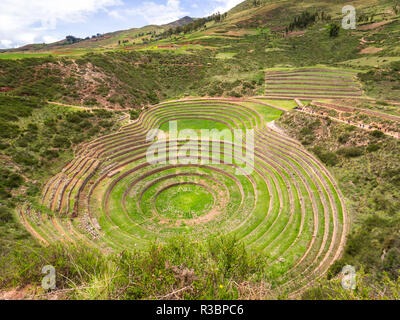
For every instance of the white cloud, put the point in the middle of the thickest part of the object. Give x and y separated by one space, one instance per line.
49 39
37 21
154 13
27 21
115 14
223 6
5 43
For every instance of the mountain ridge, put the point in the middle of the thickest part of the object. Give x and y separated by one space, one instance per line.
36 46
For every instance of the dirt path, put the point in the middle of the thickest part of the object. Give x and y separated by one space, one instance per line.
358 125
85 108
353 109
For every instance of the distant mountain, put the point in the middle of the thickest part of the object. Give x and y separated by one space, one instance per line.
179 23
108 40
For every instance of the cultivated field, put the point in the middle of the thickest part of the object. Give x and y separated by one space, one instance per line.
311 83
110 197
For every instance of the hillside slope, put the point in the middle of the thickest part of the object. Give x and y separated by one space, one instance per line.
104 41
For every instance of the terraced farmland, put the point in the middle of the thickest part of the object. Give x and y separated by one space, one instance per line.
289 206
311 83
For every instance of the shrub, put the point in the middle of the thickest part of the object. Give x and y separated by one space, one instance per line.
382 103
85 124
8 131
5 214
334 30
93 131
395 66
101 113
134 114
74 263
235 94
74 117
373 147
351 152
25 158
391 264
306 131
70 81
50 123
32 127
377 134
50 154
33 190
61 142
90 102
344 138
10 179
106 124
8 116
4 194
4 146
327 157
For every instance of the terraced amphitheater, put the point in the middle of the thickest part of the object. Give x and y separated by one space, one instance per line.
311 83
110 197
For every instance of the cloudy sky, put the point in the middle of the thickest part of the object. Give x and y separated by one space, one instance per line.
37 21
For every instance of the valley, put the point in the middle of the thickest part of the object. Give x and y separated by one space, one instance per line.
319 191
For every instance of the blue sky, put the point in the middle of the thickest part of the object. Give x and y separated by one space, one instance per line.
37 21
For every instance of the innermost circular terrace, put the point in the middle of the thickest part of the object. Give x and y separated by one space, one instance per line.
184 201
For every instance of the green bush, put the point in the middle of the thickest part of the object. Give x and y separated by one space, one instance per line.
73 118
5 213
4 194
351 152
382 103
373 147
327 157
90 101
134 114
50 154
10 179
75 264
8 131
26 159
61 142
391 263
344 138
377 134
7 116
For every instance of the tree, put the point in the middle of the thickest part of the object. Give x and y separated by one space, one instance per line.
256 3
334 30
72 39
264 32
307 18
